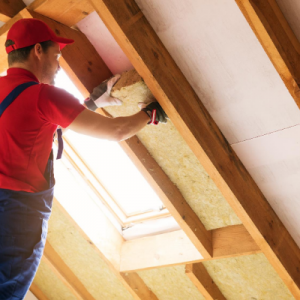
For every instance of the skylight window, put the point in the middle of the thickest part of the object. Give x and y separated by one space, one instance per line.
113 172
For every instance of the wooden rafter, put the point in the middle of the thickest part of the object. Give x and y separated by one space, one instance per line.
175 248
37 292
150 58
70 12
204 283
277 38
8 9
58 266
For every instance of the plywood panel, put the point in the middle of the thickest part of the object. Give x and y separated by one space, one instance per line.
274 163
219 54
248 277
171 284
171 152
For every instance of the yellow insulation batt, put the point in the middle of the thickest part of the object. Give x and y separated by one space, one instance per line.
247 278
174 156
50 285
171 283
83 260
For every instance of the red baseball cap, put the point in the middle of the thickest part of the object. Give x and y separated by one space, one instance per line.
28 32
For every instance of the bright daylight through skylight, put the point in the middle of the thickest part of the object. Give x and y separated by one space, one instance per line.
111 166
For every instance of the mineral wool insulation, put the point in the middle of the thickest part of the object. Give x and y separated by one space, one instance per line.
175 157
83 260
241 278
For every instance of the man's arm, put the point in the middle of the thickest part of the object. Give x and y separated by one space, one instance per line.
113 129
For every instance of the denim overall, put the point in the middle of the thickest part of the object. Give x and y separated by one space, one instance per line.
23 228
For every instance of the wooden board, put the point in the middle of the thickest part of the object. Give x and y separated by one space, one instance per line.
277 38
66 12
8 9
273 161
175 248
150 58
204 283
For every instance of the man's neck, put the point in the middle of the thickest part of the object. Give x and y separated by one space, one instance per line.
25 67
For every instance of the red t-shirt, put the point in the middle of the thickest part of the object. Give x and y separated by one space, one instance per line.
27 127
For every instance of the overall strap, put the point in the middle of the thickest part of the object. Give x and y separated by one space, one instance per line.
14 94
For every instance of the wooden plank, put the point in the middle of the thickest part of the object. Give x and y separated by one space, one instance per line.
203 282
3 35
65 274
169 86
277 38
137 284
167 249
37 292
8 9
64 11
175 248
233 241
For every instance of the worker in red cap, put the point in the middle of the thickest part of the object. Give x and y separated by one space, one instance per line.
31 109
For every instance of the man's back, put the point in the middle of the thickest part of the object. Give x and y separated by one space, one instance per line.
27 127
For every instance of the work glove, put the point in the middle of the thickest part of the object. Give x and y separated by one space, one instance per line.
155 112
100 97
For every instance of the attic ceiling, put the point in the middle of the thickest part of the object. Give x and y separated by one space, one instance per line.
248 90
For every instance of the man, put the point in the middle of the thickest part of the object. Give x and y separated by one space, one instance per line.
30 111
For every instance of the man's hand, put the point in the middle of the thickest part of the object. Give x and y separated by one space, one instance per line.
100 97
155 112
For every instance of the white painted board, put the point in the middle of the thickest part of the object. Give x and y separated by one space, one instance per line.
274 163
219 54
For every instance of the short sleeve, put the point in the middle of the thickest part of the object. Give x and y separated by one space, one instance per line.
58 106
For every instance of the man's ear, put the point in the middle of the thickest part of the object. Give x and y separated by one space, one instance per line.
38 50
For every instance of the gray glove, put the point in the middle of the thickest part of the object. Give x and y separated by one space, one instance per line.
154 111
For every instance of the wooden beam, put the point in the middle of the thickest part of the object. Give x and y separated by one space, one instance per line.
150 58
37 292
9 8
137 284
277 38
203 282
65 274
64 11
233 241
175 248
3 35
167 249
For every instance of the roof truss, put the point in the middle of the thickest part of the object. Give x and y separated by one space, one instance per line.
153 62
206 140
